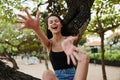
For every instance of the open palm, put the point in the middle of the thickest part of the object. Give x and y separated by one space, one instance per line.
28 21
70 49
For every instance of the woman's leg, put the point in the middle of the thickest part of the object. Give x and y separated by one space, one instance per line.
82 67
49 75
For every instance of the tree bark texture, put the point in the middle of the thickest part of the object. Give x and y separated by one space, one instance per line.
78 13
12 60
102 56
8 73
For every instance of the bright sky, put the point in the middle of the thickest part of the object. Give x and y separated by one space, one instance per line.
31 5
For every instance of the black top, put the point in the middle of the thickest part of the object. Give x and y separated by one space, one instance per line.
59 60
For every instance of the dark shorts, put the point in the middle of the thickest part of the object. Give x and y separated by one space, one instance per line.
65 74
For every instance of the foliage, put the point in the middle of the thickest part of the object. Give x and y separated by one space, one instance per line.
108 56
11 38
114 38
7 8
105 17
15 41
41 56
105 14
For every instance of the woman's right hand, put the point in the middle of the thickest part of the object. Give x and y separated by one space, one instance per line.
28 21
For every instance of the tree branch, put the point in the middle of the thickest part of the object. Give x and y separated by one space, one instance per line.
112 27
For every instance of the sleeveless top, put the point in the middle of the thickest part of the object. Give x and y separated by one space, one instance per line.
59 60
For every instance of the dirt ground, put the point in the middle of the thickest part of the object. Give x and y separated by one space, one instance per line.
94 73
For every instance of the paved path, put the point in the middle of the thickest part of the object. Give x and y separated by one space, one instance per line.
94 73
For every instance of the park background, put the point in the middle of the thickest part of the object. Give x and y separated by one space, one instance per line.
105 21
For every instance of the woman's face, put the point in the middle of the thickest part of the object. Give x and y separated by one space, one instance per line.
54 24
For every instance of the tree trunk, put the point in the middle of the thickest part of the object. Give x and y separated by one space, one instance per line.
14 63
46 61
46 58
102 56
9 58
78 14
40 60
8 73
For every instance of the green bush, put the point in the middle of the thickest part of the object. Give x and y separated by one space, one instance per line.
115 57
107 56
115 52
41 56
96 56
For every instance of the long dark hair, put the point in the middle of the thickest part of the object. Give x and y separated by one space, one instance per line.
49 33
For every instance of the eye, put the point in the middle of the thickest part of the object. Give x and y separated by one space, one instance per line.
50 22
56 20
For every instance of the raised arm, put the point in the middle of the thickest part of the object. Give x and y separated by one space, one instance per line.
33 23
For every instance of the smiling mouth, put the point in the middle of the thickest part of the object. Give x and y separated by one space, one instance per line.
54 27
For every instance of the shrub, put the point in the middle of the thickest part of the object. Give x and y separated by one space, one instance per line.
107 56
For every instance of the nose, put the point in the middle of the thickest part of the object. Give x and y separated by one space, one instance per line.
54 22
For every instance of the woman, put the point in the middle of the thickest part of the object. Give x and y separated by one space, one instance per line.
82 66
62 59
81 71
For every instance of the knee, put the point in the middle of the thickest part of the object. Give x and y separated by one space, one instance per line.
48 75
84 57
